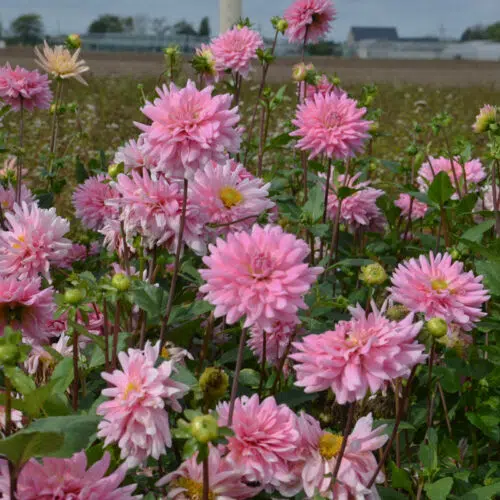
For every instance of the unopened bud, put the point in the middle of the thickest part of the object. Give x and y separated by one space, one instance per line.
282 26
74 296
115 169
373 274
120 282
73 41
214 383
437 327
204 428
397 313
299 72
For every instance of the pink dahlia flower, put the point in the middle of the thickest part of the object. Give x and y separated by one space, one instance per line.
323 87
235 49
320 452
360 209
225 481
260 274
364 353
133 157
416 209
472 170
69 478
25 307
276 341
78 253
136 416
439 287
309 20
33 241
331 125
90 200
189 128
485 203
265 439
27 87
113 238
152 207
8 197
223 194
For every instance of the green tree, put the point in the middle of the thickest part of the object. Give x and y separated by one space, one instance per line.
109 23
204 29
28 28
477 32
184 28
493 32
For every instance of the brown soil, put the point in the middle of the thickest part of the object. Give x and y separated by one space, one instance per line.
351 71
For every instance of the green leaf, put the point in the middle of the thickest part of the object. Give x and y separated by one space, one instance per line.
483 493
344 192
81 173
279 141
390 494
184 376
491 272
77 431
428 456
400 478
189 449
151 299
27 444
97 358
21 382
441 189
294 397
315 203
487 423
440 489
249 377
63 375
354 262
476 233
467 204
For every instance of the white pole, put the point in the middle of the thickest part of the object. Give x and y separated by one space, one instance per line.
230 11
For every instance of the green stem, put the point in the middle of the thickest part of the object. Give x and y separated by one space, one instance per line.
234 388
20 159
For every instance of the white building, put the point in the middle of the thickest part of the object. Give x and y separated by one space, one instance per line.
478 50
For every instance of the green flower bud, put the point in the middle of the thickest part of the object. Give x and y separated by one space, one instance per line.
373 274
437 327
411 150
9 354
336 81
73 41
397 313
282 26
214 383
114 169
172 51
74 296
120 282
204 428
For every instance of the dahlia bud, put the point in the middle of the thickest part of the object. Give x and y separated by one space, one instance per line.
299 71
455 254
411 150
204 428
437 327
114 169
397 313
336 81
341 303
374 127
73 296
203 62
172 51
120 282
373 274
214 383
282 26
73 41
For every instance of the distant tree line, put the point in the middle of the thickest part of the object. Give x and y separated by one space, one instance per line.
479 32
28 29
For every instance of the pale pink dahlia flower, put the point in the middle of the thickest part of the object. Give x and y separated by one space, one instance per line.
132 155
8 197
78 253
487 116
439 287
265 439
323 87
40 362
320 452
223 195
331 125
364 353
25 307
69 478
151 206
235 49
309 20
416 208
485 203
473 170
33 241
22 86
276 340
189 128
359 209
91 201
260 274
225 481
136 417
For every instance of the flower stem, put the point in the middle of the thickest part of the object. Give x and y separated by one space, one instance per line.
206 479
347 431
75 370
429 384
116 330
13 481
445 409
494 191
20 159
53 135
263 363
8 406
234 388
173 283
106 334
281 365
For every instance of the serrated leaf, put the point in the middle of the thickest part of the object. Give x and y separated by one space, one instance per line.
315 203
440 489
400 478
151 299
20 381
476 233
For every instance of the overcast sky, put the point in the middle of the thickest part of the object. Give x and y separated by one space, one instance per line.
411 17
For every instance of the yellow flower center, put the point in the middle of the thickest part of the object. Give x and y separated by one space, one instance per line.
194 490
21 239
230 196
131 386
439 285
5 204
164 353
329 445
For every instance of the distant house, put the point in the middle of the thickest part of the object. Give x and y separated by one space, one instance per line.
359 33
478 50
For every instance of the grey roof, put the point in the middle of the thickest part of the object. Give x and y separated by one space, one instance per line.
374 33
